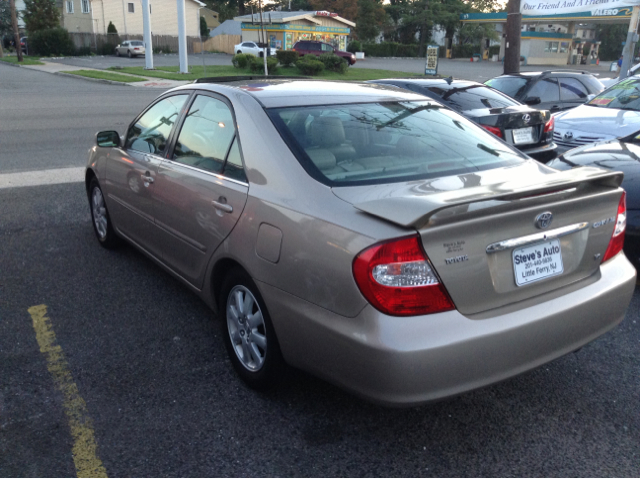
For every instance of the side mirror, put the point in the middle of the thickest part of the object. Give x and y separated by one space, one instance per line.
532 100
590 97
108 139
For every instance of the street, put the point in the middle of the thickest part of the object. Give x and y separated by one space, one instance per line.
154 385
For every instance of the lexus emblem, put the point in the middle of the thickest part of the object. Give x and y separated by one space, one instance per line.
526 118
568 136
543 220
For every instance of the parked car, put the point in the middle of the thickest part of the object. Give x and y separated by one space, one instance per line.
528 129
621 156
24 45
131 48
549 90
309 47
614 114
254 48
363 233
607 82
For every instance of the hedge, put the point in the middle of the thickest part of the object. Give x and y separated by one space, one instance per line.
465 51
310 65
390 49
51 42
333 62
257 64
287 57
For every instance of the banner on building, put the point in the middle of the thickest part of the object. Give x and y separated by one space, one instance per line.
559 7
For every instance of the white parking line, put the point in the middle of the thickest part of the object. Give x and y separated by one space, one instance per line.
43 177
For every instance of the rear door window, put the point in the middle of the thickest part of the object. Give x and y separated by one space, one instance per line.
546 89
572 90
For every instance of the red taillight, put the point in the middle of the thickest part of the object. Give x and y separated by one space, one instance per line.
550 125
496 131
397 279
617 238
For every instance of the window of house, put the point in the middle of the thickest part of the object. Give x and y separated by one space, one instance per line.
85 6
131 8
69 6
551 47
564 47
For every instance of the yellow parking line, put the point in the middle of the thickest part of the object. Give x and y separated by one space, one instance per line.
84 444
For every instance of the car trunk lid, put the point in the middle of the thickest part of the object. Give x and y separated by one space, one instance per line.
473 226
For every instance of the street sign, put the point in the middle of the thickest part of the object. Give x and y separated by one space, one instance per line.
431 67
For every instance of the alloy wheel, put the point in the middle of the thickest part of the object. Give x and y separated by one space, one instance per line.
246 327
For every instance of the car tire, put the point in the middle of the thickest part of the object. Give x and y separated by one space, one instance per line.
129 54
249 335
100 218
239 52
117 52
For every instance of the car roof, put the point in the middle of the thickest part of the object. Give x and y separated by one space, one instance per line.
278 93
546 72
453 83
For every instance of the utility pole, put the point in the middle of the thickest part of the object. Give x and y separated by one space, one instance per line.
182 39
146 30
264 40
632 38
514 26
16 33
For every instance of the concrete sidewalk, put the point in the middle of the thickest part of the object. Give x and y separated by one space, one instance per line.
61 69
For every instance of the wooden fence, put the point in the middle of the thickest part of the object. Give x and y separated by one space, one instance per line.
219 43
104 44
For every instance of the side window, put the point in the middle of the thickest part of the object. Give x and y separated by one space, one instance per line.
572 90
314 47
327 48
234 169
546 89
206 135
151 132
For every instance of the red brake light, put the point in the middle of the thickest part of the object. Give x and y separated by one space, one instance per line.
496 131
397 278
550 125
617 238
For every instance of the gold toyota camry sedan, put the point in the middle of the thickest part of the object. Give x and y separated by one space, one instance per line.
365 234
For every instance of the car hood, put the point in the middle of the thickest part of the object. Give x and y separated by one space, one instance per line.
606 123
411 204
611 155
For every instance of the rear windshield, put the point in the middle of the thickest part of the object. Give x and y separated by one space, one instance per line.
370 143
624 95
137 44
474 97
512 86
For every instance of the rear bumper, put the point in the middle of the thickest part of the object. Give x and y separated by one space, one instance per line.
541 149
409 361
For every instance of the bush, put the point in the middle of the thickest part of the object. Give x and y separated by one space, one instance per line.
334 63
287 57
257 64
241 60
390 49
112 28
106 49
310 65
464 51
82 52
51 42
354 46
494 50
162 49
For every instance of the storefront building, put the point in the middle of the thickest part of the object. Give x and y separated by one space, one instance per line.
283 29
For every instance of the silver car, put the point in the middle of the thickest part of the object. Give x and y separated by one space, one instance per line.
365 234
131 48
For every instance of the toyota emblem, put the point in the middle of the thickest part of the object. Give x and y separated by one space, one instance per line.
543 220
526 118
568 136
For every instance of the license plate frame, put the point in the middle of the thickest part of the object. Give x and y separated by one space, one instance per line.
523 136
537 262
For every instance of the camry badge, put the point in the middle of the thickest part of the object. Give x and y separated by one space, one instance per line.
568 136
543 220
526 118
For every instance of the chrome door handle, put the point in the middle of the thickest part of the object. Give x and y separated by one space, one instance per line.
223 207
148 179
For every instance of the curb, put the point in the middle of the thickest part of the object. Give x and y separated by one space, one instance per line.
97 80
13 64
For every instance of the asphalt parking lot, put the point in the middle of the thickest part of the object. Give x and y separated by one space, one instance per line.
129 369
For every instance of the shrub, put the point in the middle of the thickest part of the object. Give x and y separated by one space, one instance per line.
257 64
310 65
287 57
354 46
241 60
51 42
112 28
334 63
162 49
106 49
390 49
82 52
464 51
494 50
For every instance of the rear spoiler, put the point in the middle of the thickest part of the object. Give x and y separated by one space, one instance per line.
414 210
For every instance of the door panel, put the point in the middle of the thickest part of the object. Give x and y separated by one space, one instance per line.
131 172
549 93
201 192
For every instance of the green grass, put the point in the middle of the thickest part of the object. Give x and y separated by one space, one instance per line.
105 75
26 60
196 71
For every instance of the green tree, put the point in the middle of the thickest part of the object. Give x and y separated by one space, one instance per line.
611 37
5 18
474 33
204 29
371 16
111 28
40 15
